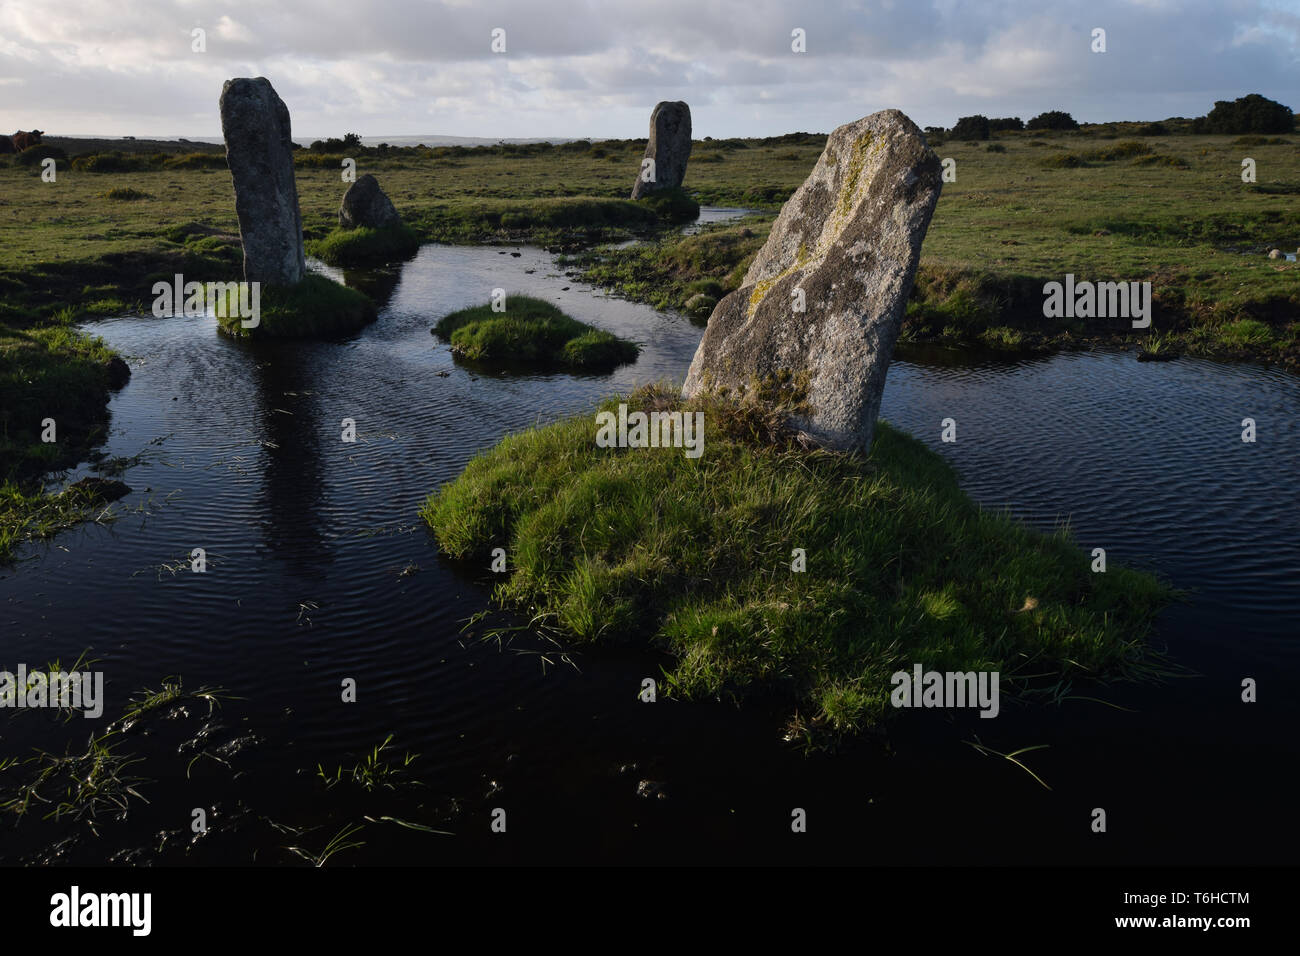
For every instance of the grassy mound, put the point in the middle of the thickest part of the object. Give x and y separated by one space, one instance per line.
316 306
532 332
365 246
673 205
694 555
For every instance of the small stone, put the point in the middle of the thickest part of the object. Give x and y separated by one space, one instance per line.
365 205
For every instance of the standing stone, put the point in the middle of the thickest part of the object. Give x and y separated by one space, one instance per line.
669 147
364 204
259 150
849 239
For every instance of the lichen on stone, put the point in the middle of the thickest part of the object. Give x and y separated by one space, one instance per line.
857 160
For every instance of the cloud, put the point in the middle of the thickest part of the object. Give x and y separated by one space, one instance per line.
587 68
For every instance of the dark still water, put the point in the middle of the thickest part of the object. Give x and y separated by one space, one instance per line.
319 571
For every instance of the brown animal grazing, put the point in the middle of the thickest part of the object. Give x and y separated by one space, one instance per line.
23 140
6 144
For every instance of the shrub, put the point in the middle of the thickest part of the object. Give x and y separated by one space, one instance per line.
1061 161
35 155
1260 141
971 127
1053 119
1247 114
1125 149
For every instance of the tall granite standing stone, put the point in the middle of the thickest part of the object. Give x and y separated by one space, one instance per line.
846 247
259 150
669 147
365 204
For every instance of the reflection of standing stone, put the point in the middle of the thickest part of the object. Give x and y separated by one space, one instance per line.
846 247
259 150
669 147
364 204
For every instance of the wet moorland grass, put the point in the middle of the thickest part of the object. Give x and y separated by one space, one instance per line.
365 246
1169 209
695 557
532 332
316 306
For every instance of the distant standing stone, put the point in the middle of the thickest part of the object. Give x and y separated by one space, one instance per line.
846 247
259 151
364 204
669 147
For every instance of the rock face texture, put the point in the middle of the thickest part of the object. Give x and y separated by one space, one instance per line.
669 147
255 124
364 204
845 247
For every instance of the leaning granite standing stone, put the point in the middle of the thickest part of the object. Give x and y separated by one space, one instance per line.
669 147
364 204
847 243
259 151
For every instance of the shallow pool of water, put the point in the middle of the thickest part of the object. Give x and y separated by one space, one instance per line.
319 570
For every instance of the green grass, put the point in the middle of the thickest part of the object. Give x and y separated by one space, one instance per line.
669 272
79 785
49 371
365 246
126 194
532 332
374 771
1172 211
694 557
673 205
316 306
1245 333
28 513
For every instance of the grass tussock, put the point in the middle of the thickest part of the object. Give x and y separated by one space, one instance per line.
315 307
126 194
695 556
532 332
365 246
28 513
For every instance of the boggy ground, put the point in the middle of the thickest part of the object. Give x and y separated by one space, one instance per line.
1025 209
696 554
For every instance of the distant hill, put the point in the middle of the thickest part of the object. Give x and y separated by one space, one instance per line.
93 144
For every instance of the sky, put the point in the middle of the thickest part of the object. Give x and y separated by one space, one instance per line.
573 69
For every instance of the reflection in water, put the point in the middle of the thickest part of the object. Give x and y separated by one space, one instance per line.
324 572
291 516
